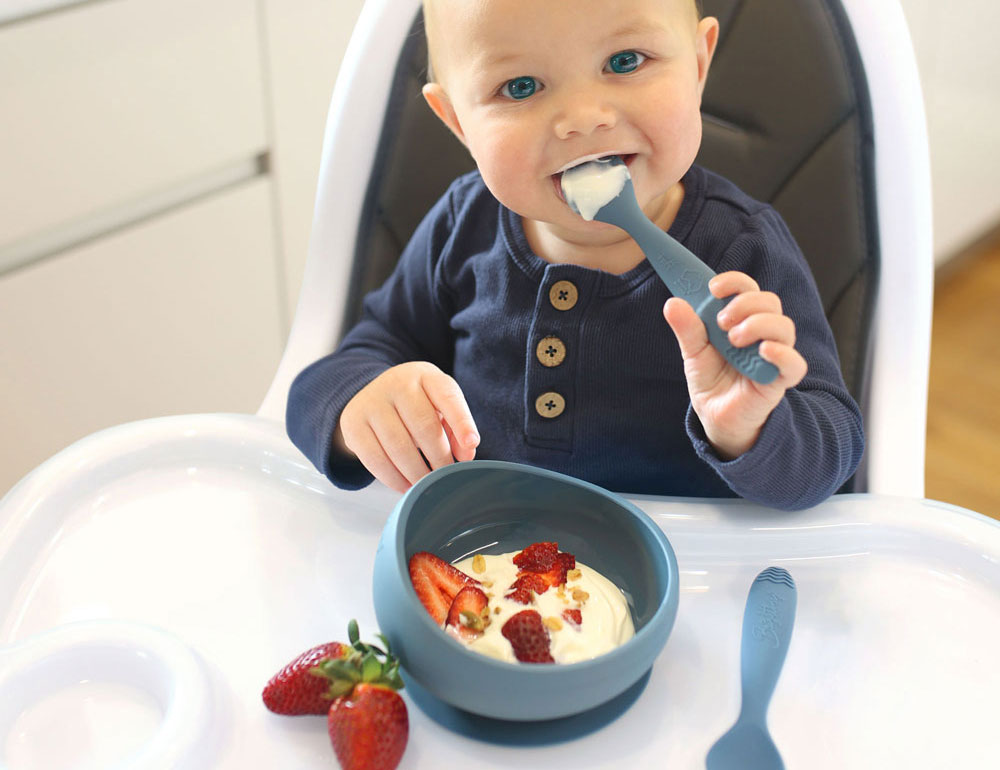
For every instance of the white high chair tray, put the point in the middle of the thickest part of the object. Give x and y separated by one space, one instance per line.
154 576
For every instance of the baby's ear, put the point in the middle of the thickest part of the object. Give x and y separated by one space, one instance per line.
706 39
439 102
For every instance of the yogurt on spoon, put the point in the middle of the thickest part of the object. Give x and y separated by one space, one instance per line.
588 187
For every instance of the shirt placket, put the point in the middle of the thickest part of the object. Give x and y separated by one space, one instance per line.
552 356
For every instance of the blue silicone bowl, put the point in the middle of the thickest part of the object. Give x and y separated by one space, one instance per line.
488 506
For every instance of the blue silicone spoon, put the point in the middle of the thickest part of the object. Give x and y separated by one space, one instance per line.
767 629
684 274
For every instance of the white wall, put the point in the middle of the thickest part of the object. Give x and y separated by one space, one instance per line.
959 62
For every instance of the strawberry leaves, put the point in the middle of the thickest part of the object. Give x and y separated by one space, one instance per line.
363 662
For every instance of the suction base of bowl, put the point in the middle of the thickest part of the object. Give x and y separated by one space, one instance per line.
537 733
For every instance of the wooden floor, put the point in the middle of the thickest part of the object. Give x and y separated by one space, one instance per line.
963 417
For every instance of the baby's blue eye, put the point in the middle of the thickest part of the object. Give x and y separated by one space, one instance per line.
519 88
625 61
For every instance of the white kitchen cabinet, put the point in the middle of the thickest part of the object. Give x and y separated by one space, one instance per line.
174 315
105 102
158 163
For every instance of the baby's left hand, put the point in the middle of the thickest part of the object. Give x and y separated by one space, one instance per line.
731 407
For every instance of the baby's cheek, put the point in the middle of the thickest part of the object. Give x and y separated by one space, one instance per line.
506 179
504 155
676 134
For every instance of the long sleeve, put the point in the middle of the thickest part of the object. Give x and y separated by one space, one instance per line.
812 442
404 320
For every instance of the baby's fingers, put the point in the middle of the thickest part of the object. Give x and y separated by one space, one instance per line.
447 398
423 423
461 451
791 365
687 327
763 326
747 304
366 445
397 445
732 282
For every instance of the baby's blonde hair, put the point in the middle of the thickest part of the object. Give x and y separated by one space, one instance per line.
427 38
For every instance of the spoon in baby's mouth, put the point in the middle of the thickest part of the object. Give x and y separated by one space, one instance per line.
602 190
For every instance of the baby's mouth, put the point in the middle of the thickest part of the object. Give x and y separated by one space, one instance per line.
557 177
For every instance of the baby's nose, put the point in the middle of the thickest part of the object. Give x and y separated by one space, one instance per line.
583 113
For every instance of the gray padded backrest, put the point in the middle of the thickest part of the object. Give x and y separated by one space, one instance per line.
786 117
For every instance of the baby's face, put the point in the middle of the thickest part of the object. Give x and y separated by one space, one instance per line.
534 87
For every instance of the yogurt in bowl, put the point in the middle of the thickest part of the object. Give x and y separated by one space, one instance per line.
583 617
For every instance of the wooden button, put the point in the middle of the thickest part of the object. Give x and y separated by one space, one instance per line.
563 295
550 404
551 351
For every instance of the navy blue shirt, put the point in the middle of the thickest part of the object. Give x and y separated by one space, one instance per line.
470 296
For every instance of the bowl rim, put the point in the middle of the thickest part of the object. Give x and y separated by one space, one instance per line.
661 621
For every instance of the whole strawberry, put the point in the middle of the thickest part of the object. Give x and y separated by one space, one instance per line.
299 688
367 720
368 728
355 686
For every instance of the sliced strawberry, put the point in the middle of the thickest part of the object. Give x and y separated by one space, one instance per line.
537 557
437 583
555 576
546 560
528 636
573 616
469 613
526 586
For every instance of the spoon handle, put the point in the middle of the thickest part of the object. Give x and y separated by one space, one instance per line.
687 277
767 630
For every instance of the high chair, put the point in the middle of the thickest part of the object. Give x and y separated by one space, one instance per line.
812 106
187 558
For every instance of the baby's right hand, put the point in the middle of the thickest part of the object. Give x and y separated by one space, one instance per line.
408 409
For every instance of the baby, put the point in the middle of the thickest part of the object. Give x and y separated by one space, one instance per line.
513 329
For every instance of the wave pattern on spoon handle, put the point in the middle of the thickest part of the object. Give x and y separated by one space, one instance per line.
747 361
777 575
